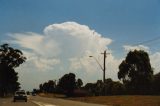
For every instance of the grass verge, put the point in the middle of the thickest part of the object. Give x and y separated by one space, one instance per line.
122 100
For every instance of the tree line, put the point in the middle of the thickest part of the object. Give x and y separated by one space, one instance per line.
75 88
136 77
67 84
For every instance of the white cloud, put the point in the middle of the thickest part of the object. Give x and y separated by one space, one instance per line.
66 47
139 47
75 64
38 44
155 61
65 42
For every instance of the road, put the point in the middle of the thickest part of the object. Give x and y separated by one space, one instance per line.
42 101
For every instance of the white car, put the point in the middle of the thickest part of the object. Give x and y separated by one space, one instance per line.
20 95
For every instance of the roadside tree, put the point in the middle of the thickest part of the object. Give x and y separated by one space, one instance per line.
10 58
67 83
136 72
79 83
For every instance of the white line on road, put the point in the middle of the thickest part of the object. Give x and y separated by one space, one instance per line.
42 104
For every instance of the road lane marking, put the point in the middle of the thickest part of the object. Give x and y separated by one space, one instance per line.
42 104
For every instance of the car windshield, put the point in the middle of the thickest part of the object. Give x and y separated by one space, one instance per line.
20 93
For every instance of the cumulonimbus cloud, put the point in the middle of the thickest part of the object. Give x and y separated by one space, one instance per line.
62 42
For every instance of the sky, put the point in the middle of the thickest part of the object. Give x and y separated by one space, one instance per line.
58 36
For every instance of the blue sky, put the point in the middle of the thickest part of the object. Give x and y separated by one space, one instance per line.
125 22
121 20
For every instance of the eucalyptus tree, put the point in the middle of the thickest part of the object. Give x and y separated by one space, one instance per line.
10 58
136 72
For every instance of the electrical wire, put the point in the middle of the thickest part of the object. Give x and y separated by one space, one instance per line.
147 41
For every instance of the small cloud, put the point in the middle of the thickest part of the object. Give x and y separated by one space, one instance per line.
139 47
155 61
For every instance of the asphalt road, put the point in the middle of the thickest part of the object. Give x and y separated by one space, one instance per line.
41 101
9 102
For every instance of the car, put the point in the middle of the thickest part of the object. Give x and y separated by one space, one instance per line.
28 93
20 95
33 94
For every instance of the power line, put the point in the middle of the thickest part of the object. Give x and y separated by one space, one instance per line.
147 41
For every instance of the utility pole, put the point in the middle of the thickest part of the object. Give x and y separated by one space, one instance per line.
103 68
